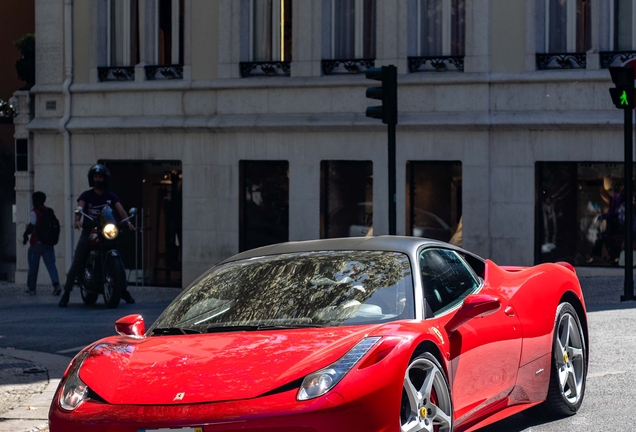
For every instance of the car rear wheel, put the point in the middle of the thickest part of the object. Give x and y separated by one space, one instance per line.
569 365
426 401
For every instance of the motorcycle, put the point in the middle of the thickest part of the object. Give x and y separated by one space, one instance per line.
104 272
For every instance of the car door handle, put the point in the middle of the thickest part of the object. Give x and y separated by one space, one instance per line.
509 311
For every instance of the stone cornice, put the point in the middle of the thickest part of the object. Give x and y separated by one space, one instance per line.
546 120
424 79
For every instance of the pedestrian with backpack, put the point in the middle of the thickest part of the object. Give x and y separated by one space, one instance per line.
44 229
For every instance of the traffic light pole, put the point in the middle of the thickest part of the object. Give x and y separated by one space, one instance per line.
392 179
629 207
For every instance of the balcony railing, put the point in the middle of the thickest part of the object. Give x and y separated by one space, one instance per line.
346 66
561 61
608 58
274 68
436 63
164 72
116 73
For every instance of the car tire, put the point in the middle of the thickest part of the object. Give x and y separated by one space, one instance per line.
426 400
568 369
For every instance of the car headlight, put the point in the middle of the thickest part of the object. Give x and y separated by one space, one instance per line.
110 231
320 382
74 391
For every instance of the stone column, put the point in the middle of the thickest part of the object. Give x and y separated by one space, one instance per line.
234 37
392 34
23 184
477 36
306 34
593 56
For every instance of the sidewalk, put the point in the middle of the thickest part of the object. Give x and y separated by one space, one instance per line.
28 379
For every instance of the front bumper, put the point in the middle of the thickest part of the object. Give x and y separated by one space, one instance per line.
276 413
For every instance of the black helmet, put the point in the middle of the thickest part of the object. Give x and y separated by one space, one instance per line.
98 169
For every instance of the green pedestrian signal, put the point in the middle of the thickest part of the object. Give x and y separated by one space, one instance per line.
623 93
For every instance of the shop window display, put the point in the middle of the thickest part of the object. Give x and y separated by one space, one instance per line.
580 213
434 200
263 203
346 199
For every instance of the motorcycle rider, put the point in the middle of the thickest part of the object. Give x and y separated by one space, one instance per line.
92 201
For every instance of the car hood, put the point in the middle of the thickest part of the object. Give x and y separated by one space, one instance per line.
165 370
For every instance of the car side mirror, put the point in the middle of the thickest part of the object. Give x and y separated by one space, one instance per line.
474 306
131 325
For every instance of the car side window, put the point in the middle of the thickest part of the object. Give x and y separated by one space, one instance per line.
446 279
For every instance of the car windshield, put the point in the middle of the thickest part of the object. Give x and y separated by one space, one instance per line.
314 289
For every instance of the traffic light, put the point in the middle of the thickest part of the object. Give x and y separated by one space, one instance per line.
623 94
387 112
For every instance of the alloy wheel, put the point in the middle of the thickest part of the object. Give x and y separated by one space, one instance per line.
426 401
570 358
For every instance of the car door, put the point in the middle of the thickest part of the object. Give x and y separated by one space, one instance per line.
485 351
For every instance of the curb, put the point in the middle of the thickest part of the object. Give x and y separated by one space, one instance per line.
33 415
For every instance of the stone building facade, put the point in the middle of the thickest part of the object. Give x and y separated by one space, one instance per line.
501 106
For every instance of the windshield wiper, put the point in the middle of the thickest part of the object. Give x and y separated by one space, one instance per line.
253 327
174 331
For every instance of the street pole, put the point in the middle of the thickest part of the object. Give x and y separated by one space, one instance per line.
392 179
629 207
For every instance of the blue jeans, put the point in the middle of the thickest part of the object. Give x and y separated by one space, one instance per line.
48 255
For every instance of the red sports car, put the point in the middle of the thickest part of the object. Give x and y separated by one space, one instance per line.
360 334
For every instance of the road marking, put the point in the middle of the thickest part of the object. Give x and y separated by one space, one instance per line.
602 374
64 351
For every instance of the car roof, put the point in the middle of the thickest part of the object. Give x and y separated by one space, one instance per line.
407 245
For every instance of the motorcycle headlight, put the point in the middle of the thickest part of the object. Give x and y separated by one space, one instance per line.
110 231
320 382
74 391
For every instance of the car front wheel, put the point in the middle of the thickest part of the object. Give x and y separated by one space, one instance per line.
426 401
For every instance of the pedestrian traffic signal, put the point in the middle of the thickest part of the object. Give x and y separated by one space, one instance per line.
623 94
387 112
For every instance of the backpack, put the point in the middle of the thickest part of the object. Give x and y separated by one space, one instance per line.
48 228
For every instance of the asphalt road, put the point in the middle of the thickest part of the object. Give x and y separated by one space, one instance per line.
38 324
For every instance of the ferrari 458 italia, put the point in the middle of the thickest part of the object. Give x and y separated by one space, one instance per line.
371 334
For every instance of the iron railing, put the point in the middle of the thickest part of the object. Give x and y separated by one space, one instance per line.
436 63
561 61
346 66
161 72
116 73
273 68
609 57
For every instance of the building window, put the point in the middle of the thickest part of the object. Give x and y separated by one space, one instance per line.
122 40
353 40
170 27
441 27
270 38
622 37
353 29
569 27
123 33
271 30
567 34
434 200
580 213
264 203
346 203
440 35
168 46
